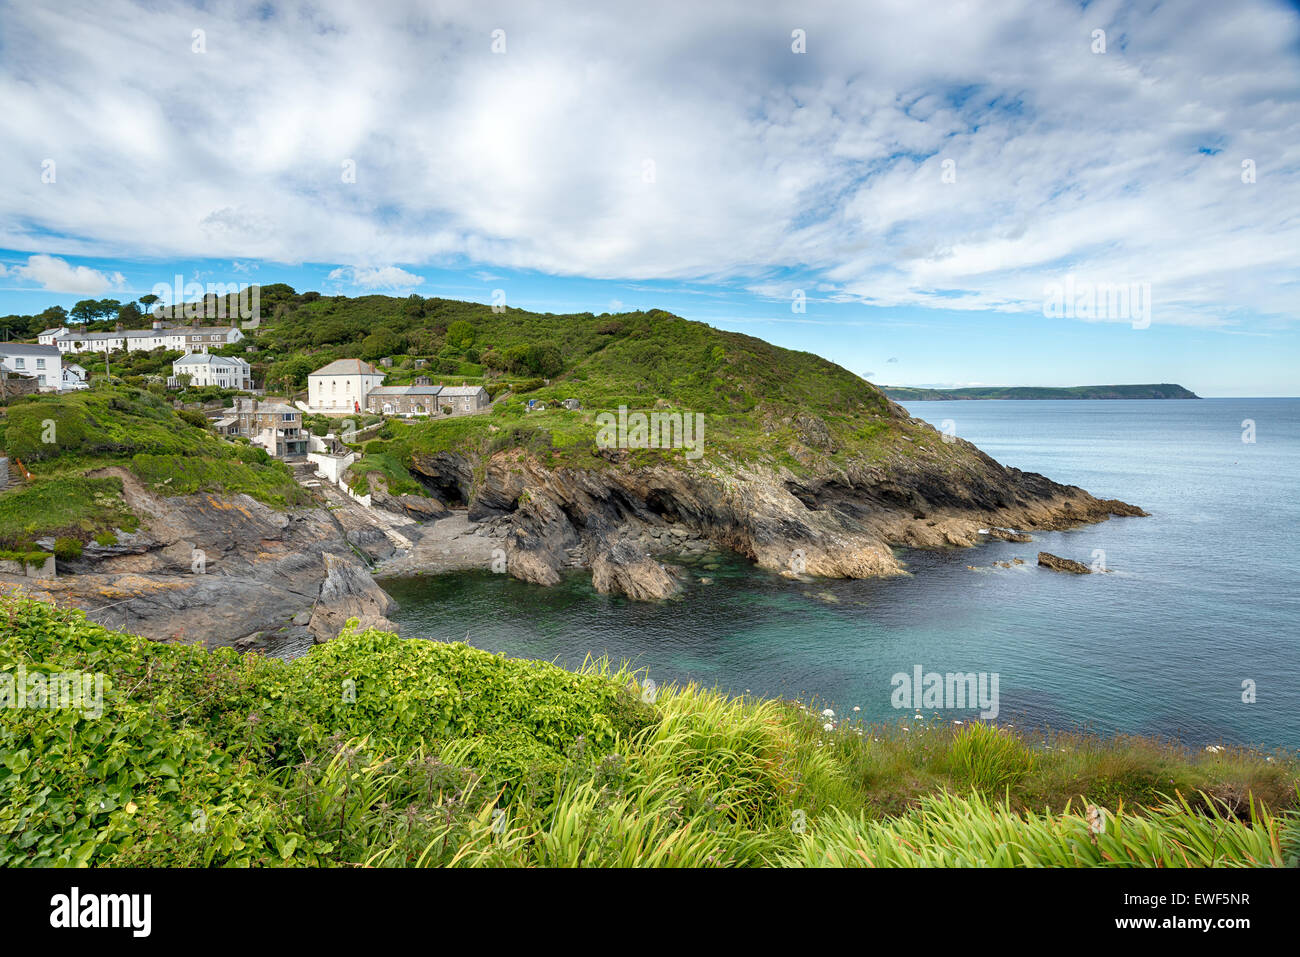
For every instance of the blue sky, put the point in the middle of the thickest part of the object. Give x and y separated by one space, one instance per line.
923 181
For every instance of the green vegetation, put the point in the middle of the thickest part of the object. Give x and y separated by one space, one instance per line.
64 504
23 557
67 548
377 750
761 404
68 440
1164 390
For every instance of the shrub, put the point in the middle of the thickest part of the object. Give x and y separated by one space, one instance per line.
193 417
67 548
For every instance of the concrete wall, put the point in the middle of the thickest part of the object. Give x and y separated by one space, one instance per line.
331 467
16 569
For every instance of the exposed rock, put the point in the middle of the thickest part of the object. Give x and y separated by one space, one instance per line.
1058 564
212 569
626 568
421 508
1007 535
813 431
536 543
348 591
839 522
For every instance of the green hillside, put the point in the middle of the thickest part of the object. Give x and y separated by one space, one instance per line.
65 439
761 402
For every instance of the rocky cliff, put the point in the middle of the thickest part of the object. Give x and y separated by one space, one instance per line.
838 520
225 570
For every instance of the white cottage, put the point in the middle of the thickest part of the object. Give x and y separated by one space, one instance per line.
342 386
42 363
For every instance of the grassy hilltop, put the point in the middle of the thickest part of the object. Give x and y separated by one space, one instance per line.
377 750
749 390
761 403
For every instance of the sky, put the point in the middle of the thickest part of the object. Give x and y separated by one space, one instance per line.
908 194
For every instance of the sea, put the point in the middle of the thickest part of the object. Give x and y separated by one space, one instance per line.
1188 630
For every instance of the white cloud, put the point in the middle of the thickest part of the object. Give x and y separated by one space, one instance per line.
766 163
57 275
376 277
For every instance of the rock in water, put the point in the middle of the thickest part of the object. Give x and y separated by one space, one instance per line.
348 591
1058 564
1007 535
625 567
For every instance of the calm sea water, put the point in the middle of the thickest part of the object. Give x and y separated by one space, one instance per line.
1203 595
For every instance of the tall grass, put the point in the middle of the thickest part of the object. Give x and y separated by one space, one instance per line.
374 751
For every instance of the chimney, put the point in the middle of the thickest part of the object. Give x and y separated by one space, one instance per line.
157 324
118 327
195 322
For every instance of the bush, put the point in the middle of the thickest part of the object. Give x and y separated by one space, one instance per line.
67 548
194 418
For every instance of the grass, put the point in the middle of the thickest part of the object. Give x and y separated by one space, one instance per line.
64 505
374 750
62 438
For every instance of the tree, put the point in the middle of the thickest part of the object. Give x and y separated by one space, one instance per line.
130 316
52 317
380 343
85 311
460 334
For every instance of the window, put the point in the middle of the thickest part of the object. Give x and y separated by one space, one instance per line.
19 362
40 363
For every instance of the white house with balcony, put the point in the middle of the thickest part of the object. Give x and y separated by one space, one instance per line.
204 369
44 363
342 386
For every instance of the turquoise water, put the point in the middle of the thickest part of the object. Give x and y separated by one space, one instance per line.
1202 596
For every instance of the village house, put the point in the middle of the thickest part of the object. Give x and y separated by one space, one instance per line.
205 369
342 386
192 338
74 378
463 399
44 363
403 400
275 426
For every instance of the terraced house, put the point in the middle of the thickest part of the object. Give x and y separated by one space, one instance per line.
463 399
403 399
192 338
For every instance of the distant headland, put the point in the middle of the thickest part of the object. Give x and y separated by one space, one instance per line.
1164 390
